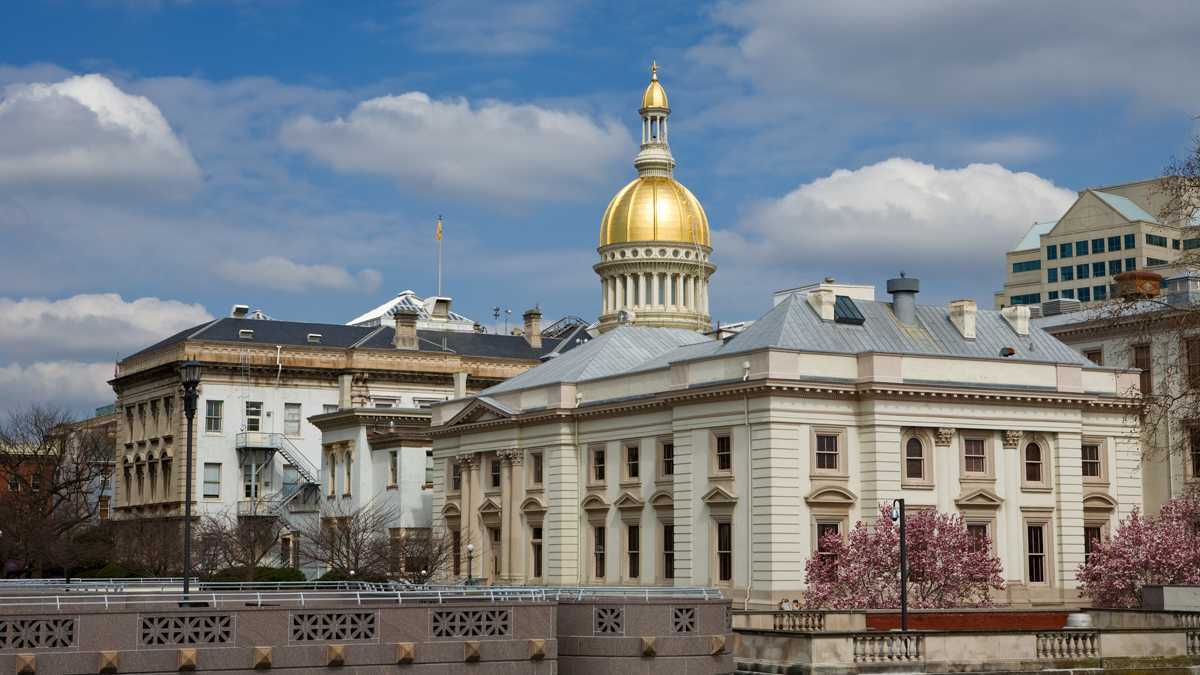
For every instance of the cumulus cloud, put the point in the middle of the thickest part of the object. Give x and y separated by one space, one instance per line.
74 385
85 132
1014 148
494 149
895 215
89 326
287 275
964 54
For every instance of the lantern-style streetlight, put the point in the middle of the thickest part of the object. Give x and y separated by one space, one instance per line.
189 378
470 554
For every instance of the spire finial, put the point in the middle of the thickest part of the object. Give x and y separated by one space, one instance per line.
653 70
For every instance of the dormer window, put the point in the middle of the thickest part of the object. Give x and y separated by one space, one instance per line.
314 338
246 334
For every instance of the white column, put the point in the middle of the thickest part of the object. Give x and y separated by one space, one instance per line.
641 289
679 291
704 295
630 300
654 300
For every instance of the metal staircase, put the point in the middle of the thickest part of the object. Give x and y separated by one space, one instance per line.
276 503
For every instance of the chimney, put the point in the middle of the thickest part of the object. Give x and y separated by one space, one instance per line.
438 308
533 327
904 298
1017 316
822 300
962 315
406 328
460 384
1138 285
239 311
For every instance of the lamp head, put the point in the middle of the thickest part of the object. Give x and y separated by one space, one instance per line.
470 548
189 373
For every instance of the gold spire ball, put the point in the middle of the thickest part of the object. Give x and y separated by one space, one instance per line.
654 207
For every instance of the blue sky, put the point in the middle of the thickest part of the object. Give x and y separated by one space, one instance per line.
162 160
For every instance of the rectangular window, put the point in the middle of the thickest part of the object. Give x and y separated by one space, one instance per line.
1099 292
1082 271
827 452
1130 264
1091 460
212 416
825 531
249 486
668 551
1027 266
102 507
1036 547
1052 275
1141 359
1098 269
381 403
1096 356
1081 248
1052 252
253 415
494 473
291 419
668 459
1053 295
1191 244
291 479
1114 267
212 480
1156 240
1194 454
633 542
598 553
1064 250
536 550
1192 346
1114 243
1085 294
724 551
724 452
979 535
455 476
1092 535
632 467
1098 245
393 467
535 464
456 551
1068 274
1155 262
975 455
1175 244
598 465
1130 242
1026 299
1068 293
349 480
329 408
333 474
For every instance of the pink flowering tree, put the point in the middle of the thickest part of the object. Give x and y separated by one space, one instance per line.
947 565
1163 549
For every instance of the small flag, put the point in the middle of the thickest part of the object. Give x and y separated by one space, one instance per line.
438 234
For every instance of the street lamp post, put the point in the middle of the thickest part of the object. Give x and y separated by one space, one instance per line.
189 377
470 552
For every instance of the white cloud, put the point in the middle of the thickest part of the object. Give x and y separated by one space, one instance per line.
1014 148
286 275
933 53
89 326
74 385
498 28
84 132
495 150
870 223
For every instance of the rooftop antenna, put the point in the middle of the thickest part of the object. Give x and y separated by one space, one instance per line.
438 236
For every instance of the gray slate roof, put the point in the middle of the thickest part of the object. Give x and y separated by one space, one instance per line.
793 324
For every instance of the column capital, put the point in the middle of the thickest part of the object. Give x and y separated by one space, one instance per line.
942 436
467 459
1012 439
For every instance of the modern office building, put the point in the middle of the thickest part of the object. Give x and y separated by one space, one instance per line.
1106 231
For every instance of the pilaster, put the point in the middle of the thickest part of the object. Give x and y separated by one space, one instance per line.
1068 491
879 466
561 467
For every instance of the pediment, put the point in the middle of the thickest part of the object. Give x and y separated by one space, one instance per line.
1099 501
979 499
533 505
594 503
662 500
831 495
451 510
479 410
489 505
718 496
627 501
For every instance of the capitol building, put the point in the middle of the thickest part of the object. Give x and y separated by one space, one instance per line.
658 452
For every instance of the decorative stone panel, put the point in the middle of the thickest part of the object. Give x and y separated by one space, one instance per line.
55 633
942 436
683 619
609 621
460 623
1012 439
333 626
186 629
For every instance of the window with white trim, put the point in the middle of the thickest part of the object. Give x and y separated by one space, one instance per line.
212 480
212 416
254 415
291 419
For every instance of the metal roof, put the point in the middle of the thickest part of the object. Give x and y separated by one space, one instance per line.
1033 237
404 300
1125 206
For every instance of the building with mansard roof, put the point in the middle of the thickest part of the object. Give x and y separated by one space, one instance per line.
638 457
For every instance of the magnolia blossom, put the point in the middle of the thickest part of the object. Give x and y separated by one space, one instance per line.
1145 550
948 566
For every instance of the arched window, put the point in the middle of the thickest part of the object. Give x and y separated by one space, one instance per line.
914 459
1033 463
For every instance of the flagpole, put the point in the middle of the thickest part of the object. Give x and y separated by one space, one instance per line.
439 256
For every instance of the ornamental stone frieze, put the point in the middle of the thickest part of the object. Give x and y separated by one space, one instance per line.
467 459
942 436
1012 439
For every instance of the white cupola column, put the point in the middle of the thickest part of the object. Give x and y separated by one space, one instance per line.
654 297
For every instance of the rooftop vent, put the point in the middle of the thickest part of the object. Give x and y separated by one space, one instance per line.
246 334
239 311
904 298
314 338
1060 306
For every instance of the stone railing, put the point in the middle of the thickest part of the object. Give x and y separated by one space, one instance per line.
799 621
1068 645
1193 643
888 648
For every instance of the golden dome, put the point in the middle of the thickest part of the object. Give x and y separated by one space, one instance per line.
655 96
654 208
